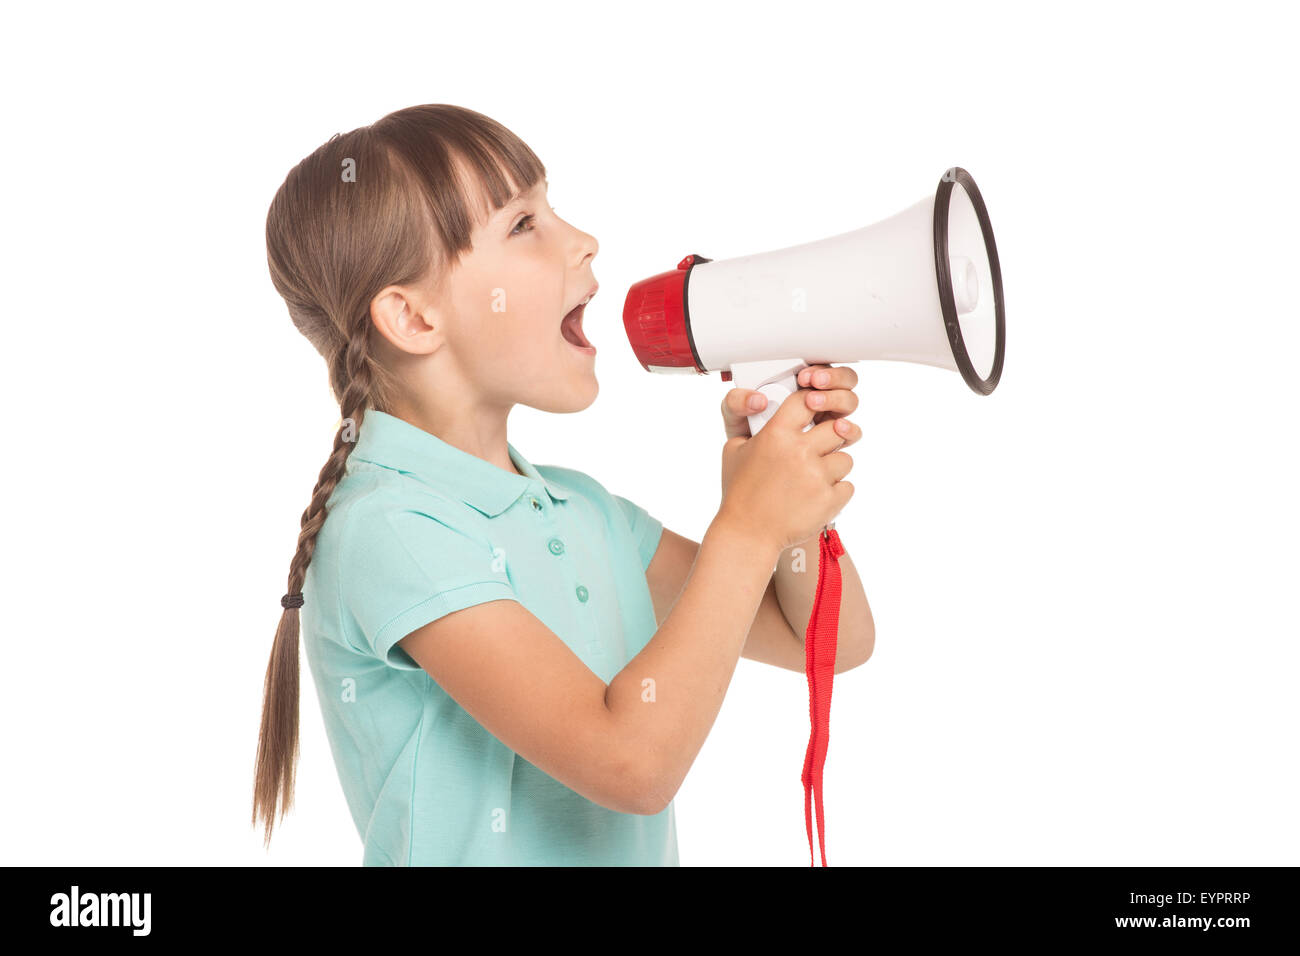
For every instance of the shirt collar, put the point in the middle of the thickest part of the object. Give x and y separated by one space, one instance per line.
395 443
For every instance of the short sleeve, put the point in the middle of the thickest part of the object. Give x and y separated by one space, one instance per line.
646 529
401 568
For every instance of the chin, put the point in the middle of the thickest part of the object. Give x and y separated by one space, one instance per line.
575 399
587 396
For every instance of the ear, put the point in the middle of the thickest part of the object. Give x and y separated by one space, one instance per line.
411 323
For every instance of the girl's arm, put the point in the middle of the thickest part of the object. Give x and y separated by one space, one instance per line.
794 586
518 679
772 638
626 746
664 702
667 697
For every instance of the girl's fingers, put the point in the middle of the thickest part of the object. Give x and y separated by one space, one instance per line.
831 404
847 430
830 398
827 376
832 436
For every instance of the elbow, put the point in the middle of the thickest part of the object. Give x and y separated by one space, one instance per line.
650 791
640 779
864 648
631 780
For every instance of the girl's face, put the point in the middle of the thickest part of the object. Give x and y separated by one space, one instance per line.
502 306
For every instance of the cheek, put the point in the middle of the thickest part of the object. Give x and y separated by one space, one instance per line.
537 303
480 299
494 307
522 297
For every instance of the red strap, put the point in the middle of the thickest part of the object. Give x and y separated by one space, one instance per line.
819 651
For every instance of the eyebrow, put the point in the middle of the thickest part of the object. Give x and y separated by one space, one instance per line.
520 198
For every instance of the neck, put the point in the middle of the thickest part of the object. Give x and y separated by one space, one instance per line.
478 430
436 395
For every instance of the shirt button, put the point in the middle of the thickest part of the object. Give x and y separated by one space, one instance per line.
582 593
556 546
537 505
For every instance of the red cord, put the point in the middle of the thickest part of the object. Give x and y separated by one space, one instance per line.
819 651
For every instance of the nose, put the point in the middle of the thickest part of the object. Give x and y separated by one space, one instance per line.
585 247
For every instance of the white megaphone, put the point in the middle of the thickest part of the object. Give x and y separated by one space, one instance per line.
921 286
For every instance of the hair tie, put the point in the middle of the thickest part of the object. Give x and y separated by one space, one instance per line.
291 600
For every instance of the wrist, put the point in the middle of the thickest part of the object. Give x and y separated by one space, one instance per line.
752 539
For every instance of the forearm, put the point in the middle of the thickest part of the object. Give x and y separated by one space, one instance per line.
664 702
796 586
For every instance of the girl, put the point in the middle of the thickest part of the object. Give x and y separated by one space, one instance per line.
500 678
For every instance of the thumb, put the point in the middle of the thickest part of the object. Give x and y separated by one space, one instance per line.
793 413
736 409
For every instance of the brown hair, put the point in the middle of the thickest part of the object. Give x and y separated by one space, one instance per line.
392 203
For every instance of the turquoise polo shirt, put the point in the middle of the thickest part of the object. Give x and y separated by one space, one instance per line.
416 529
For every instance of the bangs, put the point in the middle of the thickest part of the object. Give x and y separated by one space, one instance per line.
487 183
463 165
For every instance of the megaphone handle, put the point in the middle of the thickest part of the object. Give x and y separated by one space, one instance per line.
776 393
776 379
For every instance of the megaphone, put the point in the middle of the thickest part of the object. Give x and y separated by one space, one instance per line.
922 286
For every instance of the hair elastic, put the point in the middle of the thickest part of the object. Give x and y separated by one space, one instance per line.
291 600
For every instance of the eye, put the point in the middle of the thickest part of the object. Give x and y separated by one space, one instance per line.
527 219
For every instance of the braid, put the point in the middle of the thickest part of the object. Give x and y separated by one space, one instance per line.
277 751
352 405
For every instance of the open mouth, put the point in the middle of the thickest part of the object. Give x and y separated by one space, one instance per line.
571 329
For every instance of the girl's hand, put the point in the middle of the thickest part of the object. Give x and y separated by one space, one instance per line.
831 398
827 393
783 484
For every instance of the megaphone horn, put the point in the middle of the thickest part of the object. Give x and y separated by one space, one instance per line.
922 286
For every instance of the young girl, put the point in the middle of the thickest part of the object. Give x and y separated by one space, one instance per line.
500 677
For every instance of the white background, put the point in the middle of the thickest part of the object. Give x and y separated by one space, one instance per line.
1084 584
